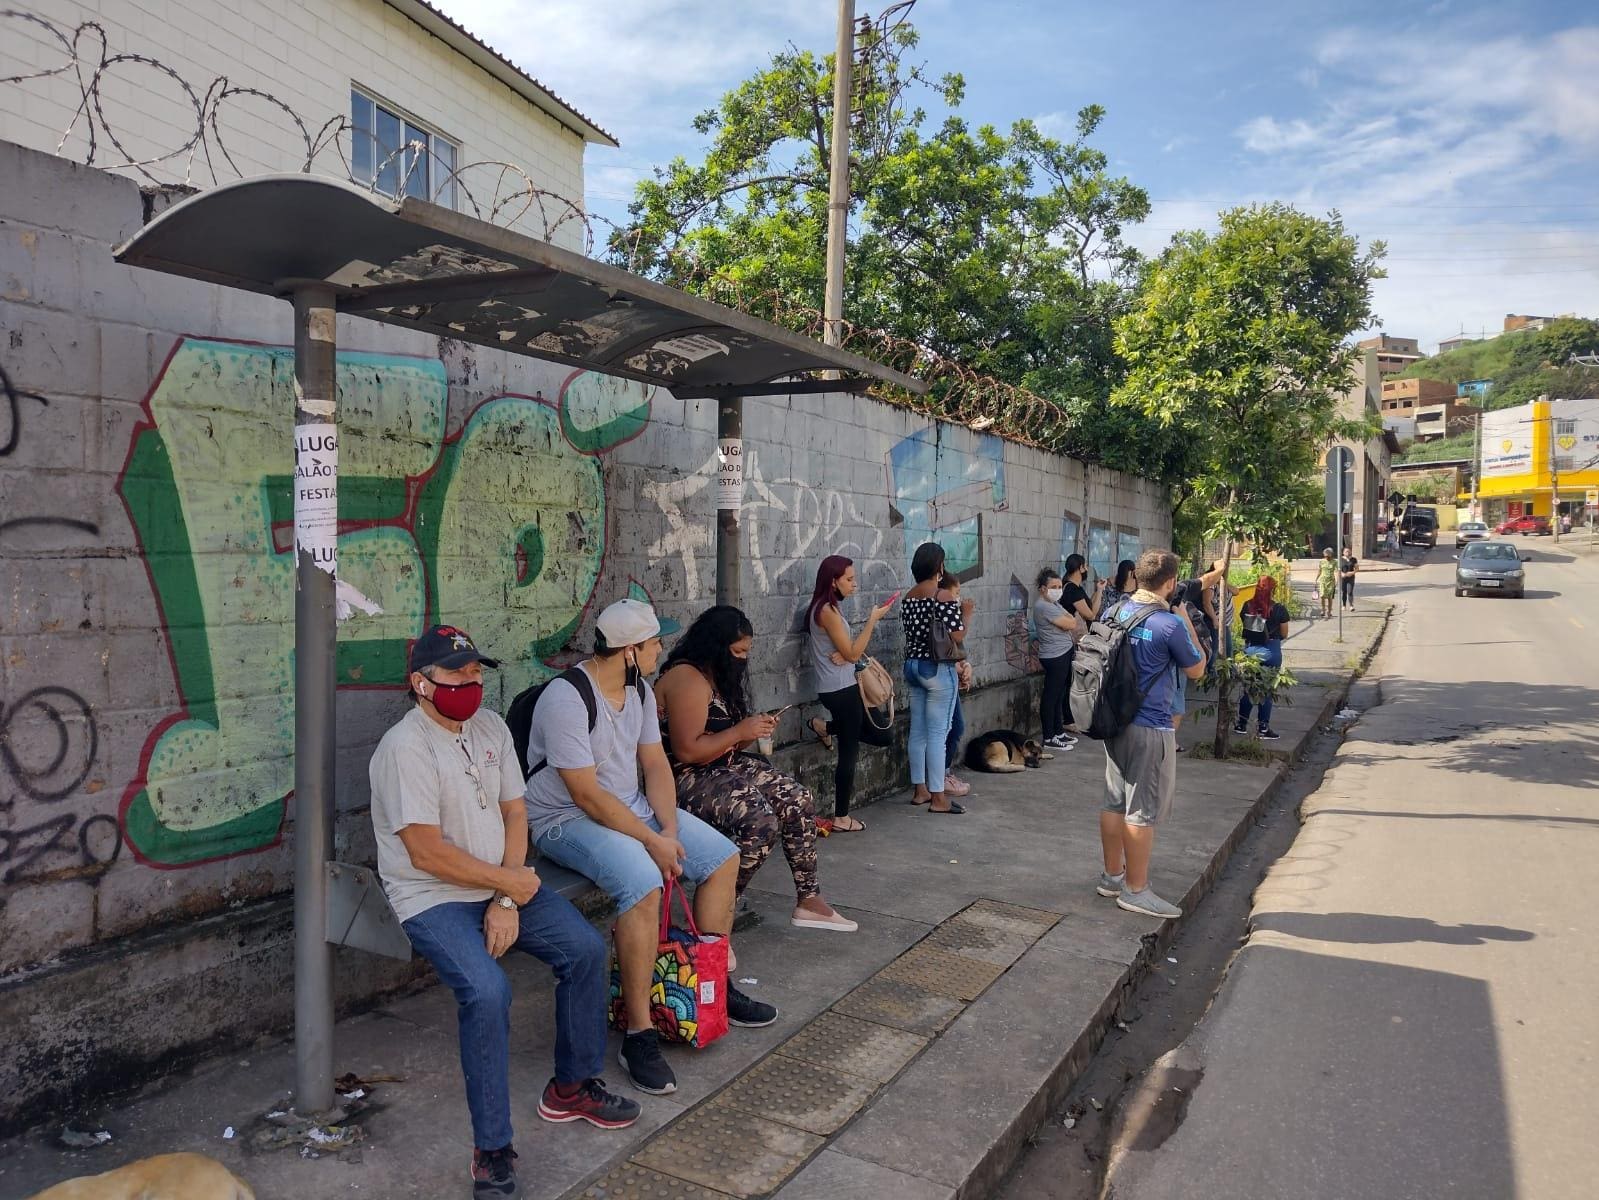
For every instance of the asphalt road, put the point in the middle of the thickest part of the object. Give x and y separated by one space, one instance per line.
1416 1011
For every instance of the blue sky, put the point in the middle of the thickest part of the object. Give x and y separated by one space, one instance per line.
1463 133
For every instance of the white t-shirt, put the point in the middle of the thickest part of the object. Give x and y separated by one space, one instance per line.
560 737
421 775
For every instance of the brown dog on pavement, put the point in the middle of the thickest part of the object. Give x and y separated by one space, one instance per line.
164 1177
1003 752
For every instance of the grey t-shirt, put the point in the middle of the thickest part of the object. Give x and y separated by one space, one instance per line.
830 677
421 775
560 736
1053 641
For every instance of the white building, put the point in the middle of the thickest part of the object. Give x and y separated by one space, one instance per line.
367 80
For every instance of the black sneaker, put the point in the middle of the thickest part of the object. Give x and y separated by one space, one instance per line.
1240 726
746 1010
1267 734
591 1103
493 1176
641 1058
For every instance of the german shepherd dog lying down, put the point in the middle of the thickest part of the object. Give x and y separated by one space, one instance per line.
1004 751
164 1177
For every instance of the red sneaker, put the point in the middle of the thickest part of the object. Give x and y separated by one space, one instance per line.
591 1103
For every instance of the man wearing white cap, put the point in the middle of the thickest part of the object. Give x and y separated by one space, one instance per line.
587 812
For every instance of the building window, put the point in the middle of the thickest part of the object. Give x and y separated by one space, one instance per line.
392 152
1566 428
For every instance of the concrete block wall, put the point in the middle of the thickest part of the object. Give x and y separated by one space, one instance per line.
305 53
146 597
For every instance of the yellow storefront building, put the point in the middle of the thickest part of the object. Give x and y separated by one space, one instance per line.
1527 450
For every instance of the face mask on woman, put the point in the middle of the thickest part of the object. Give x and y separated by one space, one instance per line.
1053 595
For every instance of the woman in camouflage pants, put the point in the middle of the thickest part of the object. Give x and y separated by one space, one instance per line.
704 701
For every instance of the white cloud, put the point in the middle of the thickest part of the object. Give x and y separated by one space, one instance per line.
1267 135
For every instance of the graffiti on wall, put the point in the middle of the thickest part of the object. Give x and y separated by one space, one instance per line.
788 526
1071 526
1101 550
498 526
939 494
1021 651
1127 543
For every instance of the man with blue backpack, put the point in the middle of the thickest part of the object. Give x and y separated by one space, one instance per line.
1124 682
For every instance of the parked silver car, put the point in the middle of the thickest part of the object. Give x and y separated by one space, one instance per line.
1482 568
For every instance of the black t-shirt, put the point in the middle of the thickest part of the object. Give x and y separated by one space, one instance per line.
1071 593
1348 563
1274 624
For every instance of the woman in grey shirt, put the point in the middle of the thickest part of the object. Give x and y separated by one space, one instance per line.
1054 626
834 653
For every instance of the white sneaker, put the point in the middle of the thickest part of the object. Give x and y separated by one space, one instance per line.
805 919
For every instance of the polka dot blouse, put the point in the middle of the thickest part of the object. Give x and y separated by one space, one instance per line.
918 613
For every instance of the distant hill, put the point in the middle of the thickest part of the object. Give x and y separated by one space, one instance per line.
1523 365
1476 360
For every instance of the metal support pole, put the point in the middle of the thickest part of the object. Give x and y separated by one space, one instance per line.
1339 583
838 175
315 634
729 497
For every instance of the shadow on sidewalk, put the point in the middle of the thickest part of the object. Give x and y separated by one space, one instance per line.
1376 929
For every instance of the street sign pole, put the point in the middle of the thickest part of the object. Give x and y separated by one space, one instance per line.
1336 580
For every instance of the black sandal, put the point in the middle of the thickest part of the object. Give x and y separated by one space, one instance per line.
821 734
954 809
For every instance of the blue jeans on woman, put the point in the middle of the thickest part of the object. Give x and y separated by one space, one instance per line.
450 936
957 730
1272 655
933 694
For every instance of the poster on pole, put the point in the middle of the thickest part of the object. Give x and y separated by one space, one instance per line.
729 474
316 493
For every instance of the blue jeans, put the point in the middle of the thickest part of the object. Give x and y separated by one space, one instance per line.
933 695
450 936
1272 655
620 865
957 730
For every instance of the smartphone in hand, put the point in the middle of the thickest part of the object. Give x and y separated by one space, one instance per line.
891 599
777 712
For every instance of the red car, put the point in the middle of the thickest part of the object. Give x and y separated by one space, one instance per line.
1526 526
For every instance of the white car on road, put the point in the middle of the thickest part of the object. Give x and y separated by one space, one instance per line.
1472 531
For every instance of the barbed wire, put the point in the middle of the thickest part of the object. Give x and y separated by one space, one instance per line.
199 154
494 190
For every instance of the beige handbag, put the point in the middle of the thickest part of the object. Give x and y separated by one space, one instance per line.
877 691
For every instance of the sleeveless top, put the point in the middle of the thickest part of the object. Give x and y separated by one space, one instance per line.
717 720
830 677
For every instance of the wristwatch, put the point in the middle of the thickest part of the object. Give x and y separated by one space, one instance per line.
506 902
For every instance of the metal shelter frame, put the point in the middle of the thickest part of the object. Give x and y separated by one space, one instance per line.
328 247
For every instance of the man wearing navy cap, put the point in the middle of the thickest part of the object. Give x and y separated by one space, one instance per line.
451 830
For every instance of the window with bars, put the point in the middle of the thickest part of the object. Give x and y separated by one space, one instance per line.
395 154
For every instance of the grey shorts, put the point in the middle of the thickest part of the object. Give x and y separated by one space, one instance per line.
1141 774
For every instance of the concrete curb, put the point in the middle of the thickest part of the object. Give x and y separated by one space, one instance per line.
1006 1150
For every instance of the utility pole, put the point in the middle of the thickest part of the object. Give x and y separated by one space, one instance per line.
838 176
1476 461
1554 471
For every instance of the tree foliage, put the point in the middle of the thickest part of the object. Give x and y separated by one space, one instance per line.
1003 250
1242 339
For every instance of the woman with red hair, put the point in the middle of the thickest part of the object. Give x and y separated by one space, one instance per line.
834 655
1265 625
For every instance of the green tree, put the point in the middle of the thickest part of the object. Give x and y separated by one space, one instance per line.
1004 251
1241 338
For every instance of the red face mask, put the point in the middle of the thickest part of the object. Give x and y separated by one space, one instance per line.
457 701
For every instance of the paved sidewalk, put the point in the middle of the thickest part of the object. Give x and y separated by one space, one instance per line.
912 1059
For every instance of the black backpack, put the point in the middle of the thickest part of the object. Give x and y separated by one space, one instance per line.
519 717
1105 688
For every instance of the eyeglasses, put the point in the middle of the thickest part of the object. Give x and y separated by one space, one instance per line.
476 777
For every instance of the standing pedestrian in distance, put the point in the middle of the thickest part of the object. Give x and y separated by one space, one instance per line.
1076 598
931 623
1118 590
1265 626
1347 566
1327 581
1141 760
451 831
949 588
1054 627
834 655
